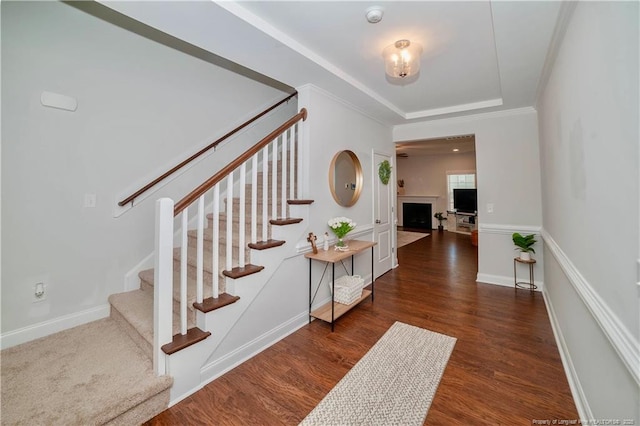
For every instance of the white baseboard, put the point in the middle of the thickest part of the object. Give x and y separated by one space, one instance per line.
45 328
131 279
503 281
580 399
231 360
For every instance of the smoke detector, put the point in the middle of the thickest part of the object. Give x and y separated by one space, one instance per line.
374 14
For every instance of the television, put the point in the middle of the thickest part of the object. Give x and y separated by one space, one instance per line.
465 200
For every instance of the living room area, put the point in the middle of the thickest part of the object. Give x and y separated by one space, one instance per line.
436 187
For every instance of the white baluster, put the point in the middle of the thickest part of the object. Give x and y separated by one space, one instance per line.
241 217
200 250
183 272
292 163
229 246
254 199
265 191
215 242
283 177
296 132
163 279
274 179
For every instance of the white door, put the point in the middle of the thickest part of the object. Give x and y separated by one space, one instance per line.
382 217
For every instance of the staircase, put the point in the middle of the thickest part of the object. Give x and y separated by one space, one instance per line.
185 307
232 238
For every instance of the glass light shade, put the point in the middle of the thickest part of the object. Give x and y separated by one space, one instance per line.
402 59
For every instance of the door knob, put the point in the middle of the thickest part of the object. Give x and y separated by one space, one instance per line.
377 220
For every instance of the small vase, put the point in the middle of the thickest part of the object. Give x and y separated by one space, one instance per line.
341 244
525 255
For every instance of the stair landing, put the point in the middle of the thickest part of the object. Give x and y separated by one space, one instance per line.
50 381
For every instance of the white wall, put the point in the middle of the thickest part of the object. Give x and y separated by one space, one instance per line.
588 115
142 107
427 175
331 126
508 173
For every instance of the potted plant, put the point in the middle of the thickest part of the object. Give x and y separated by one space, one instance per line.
441 218
401 186
524 243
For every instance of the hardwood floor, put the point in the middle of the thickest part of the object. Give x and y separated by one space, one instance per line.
505 368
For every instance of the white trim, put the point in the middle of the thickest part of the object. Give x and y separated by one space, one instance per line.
497 228
562 23
624 343
579 398
464 119
45 328
453 109
341 101
504 281
252 19
131 278
229 361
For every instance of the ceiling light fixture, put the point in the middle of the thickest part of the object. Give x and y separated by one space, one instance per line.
455 150
374 14
402 59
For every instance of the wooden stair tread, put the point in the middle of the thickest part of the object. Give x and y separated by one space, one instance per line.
299 202
285 221
211 304
239 272
263 245
182 341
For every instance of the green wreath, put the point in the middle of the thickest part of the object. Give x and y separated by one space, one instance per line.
384 171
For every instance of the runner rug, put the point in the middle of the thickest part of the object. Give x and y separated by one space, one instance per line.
405 237
393 384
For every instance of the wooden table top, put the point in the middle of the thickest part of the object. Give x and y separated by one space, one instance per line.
332 255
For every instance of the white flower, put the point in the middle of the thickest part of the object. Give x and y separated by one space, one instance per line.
341 225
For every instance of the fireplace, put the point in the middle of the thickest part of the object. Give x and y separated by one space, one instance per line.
416 215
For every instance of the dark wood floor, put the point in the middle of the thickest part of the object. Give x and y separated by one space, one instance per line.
505 368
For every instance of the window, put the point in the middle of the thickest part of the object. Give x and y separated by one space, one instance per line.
463 179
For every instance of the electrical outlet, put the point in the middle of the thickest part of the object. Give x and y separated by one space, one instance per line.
489 207
39 292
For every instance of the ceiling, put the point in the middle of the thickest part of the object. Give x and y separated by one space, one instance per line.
463 144
478 56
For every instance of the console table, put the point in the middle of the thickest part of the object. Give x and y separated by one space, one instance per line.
333 310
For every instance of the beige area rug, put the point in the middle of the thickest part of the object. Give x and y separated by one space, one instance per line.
393 384
406 237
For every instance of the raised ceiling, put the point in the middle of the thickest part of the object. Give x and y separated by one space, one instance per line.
464 144
479 56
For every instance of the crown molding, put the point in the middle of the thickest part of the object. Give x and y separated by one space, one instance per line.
562 23
454 108
273 32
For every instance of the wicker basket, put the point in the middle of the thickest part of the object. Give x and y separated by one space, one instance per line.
348 289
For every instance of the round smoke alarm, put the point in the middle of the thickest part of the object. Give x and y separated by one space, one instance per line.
374 15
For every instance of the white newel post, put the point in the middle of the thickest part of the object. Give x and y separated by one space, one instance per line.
163 278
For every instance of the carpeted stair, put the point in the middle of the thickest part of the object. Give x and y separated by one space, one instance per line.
88 375
101 372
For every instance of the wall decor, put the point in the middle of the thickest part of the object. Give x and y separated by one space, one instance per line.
384 171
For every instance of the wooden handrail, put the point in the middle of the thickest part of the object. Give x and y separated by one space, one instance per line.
209 183
174 169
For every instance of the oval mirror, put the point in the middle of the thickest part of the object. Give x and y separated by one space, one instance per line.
345 178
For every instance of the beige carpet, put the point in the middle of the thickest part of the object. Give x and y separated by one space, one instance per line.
393 384
87 375
406 237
